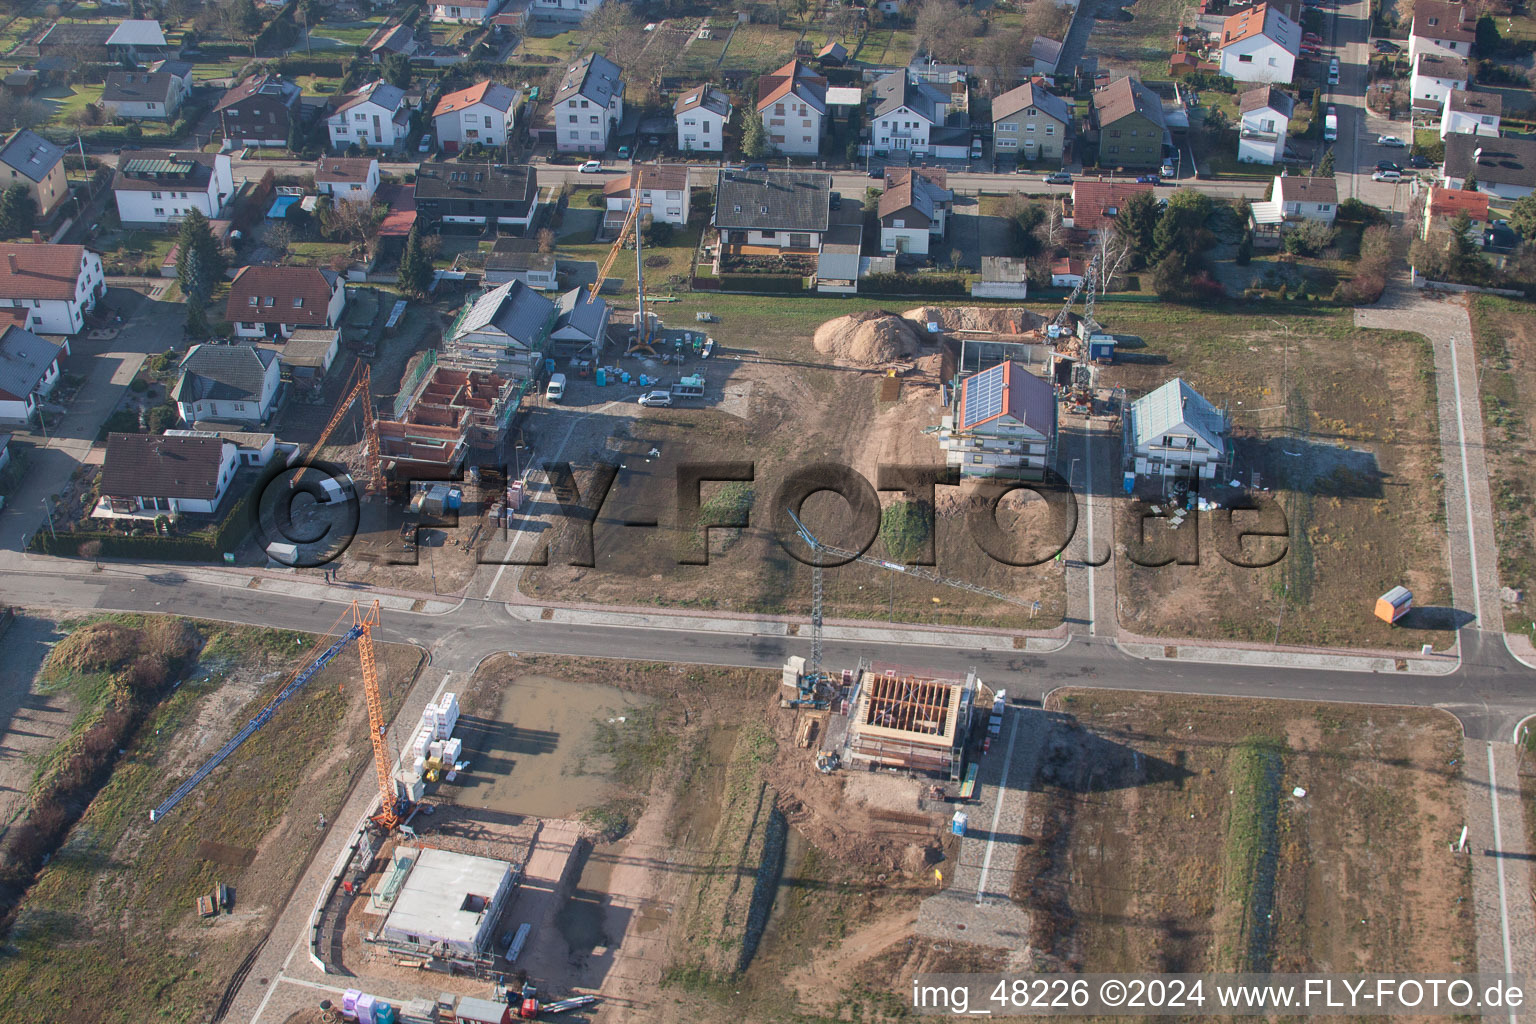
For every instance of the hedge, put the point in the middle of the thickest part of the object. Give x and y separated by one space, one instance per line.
203 546
779 284
913 284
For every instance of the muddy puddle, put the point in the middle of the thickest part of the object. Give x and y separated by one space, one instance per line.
538 757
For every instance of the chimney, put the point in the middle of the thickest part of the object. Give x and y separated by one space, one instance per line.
15 267
37 236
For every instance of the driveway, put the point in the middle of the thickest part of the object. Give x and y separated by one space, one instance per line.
107 366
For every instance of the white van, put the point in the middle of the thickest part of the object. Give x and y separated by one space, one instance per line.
1333 72
555 389
1331 126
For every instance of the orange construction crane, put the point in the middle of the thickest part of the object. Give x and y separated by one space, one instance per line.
358 390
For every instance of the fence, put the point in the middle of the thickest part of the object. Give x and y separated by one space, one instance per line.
412 380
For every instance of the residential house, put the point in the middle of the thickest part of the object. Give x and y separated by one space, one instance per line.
466 12
181 69
907 112
1445 204
663 191
478 194
1504 167
29 368
1003 425
55 286
272 302
1068 273
1264 115
1030 123
588 105
1436 76
766 212
396 40
230 383
906 214
581 324
252 447
1096 204
375 116
792 102
1045 53
1175 432
519 259
160 187
146 474
352 178
508 326
260 111
143 95
137 40
702 114
29 160
1128 117
1002 277
1260 44
1472 113
1444 28
840 263
565 10
127 42
483 113
932 180
309 352
1306 198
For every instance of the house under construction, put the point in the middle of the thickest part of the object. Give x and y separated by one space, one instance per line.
909 721
454 409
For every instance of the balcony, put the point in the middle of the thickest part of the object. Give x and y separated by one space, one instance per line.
1258 135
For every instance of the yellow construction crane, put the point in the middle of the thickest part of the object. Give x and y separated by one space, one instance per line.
358 390
361 630
641 342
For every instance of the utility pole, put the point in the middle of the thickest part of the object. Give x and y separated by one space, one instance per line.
49 509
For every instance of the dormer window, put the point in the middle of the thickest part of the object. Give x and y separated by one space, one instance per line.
298 303
270 301
254 300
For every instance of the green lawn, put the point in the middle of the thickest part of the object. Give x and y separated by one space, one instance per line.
71 99
122 248
563 45
352 34
678 253
316 254
318 85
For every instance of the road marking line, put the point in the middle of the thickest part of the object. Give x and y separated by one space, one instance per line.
997 811
1466 494
1498 850
1088 560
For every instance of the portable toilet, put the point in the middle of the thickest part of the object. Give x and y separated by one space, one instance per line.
1394 604
349 1000
601 377
957 823
383 1013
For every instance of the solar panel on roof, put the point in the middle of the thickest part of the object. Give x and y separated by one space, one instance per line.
156 166
983 396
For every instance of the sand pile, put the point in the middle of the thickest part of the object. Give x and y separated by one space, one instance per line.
870 337
998 320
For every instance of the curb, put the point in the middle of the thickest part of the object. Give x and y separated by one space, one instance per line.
1304 660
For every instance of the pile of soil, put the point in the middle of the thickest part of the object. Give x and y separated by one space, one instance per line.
999 320
869 337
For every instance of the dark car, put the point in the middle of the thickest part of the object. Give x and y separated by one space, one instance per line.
757 167
1388 165
1148 179
1386 46
835 200
876 173
1418 160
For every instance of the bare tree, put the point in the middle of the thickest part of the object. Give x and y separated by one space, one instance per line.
546 239
354 221
1050 229
1112 250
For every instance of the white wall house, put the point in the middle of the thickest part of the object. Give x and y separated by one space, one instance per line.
663 190
230 383
1471 113
374 117
162 187
29 370
351 178
143 95
1260 45
907 217
1305 198
907 110
483 113
146 474
588 105
792 102
468 12
1504 167
702 114
1004 424
1443 28
566 10
1174 431
1264 116
273 302
57 285
1436 76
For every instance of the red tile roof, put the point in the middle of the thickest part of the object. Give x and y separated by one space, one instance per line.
401 201
1094 201
1451 201
39 270
275 290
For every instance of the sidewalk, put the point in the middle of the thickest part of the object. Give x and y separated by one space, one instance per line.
1500 860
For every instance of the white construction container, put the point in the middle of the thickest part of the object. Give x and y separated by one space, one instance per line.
452 748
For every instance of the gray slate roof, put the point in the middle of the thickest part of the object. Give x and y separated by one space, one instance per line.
1506 161
1177 407
583 311
223 373
137 87
707 97
595 77
24 359
773 200
903 89
29 153
514 309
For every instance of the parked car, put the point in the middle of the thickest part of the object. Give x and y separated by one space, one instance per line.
1392 176
1058 178
426 144
757 167
1311 37
1147 179
1333 72
1418 160
1390 140
623 152
876 173
653 140
1388 165
591 167
657 398
1387 46
835 200
1167 169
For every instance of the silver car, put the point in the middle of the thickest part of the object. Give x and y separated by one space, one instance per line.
661 398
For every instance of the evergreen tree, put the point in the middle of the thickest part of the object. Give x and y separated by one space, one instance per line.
1470 184
197 321
754 139
1522 218
18 211
415 268
1136 222
397 70
199 264
1325 169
